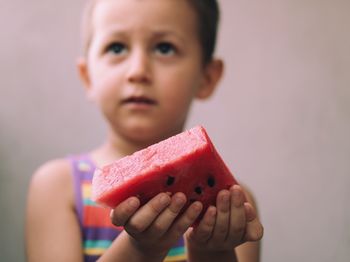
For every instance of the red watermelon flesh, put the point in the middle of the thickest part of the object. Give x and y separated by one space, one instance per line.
187 162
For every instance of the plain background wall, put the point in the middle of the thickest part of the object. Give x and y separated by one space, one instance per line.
280 117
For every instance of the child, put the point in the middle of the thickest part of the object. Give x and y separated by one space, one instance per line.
144 63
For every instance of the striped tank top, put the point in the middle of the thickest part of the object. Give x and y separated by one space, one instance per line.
97 230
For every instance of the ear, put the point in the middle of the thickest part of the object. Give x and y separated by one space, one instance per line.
83 72
211 77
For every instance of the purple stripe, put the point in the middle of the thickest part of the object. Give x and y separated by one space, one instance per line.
180 243
77 189
90 258
100 233
87 176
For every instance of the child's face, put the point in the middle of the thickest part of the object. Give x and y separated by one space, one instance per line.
144 66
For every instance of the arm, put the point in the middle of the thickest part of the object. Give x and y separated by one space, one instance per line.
226 231
52 230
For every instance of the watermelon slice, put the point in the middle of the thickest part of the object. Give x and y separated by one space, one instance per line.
187 162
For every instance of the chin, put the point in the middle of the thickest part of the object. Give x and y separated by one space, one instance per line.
141 134
148 134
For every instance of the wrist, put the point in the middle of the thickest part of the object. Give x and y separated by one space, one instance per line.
198 253
143 253
125 248
209 256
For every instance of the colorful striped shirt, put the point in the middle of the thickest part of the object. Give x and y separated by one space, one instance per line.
97 230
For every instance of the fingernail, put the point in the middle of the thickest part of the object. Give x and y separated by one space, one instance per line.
225 197
212 211
179 200
236 192
164 199
197 206
236 188
133 203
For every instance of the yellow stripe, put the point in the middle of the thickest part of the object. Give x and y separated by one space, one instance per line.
86 189
94 251
181 257
84 167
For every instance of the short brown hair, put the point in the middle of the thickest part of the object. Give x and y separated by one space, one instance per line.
208 19
208 14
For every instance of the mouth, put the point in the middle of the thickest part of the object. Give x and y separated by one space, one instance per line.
140 100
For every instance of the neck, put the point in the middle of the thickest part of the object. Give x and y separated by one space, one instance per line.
116 147
122 146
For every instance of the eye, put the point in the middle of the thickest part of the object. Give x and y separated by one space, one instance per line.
165 48
116 48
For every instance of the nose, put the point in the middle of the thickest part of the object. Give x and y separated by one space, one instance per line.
139 70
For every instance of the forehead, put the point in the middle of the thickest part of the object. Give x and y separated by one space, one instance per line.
176 16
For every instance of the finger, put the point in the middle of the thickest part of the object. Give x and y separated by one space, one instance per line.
238 218
221 228
250 212
254 231
166 218
186 220
124 211
204 230
145 216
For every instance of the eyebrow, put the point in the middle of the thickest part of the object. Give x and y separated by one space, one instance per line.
155 33
161 34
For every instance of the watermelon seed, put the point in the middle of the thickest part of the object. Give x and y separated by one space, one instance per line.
170 180
211 181
198 190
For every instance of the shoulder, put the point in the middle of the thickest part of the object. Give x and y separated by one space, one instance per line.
55 166
53 178
53 172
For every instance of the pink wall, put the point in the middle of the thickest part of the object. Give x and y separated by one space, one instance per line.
280 117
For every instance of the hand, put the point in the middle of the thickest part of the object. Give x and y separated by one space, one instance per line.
226 226
156 226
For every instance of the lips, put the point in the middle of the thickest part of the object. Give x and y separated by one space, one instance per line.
142 100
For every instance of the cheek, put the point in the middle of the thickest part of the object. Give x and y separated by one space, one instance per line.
106 84
105 92
185 75
178 95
